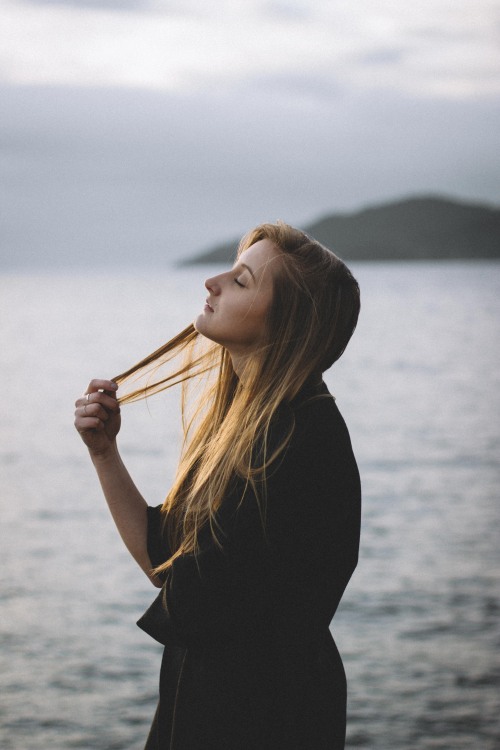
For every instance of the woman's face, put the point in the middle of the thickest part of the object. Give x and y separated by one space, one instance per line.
239 300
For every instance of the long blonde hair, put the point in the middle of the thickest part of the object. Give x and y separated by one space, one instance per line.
313 315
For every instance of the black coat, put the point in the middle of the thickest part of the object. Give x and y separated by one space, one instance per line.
249 661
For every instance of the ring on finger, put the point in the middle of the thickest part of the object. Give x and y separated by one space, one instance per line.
85 410
87 396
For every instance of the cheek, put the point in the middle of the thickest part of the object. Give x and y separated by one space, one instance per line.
255 310
258 316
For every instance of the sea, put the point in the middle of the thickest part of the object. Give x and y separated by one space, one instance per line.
419 387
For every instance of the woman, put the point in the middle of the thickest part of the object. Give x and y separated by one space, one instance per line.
259 535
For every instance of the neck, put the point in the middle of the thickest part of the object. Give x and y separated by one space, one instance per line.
240 363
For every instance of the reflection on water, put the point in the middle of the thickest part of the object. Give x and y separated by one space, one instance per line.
418 628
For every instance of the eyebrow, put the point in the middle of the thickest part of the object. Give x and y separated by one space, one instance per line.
248 269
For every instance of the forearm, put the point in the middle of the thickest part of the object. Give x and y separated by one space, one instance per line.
126 504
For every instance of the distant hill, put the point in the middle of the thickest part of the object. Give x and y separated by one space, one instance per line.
420 228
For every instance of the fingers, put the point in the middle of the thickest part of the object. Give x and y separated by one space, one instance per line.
96 411
102 398
96 405
87 423
101 385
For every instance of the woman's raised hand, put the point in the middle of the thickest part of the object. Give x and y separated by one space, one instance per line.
97 416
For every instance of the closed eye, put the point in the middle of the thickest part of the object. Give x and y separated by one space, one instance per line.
239 283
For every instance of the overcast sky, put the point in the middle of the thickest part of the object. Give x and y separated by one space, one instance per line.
134 129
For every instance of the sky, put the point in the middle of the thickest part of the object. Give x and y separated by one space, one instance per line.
135 131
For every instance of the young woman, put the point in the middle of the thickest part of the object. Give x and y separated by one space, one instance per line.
259 535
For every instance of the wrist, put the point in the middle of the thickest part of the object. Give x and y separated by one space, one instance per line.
105 455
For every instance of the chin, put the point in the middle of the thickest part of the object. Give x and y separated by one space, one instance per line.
200 326
199 321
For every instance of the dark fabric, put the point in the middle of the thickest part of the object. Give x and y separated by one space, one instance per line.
249 660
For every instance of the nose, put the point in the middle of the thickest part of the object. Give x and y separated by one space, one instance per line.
213 285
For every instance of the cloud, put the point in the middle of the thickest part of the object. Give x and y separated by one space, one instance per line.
113 5
121 174
288 11
314 85
187 45
383 56
129 123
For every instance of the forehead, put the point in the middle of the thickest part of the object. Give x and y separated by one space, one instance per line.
262 257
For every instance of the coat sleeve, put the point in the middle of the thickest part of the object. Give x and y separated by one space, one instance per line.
204 596
309 547
157 542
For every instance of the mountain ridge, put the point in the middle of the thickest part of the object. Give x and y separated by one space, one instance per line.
424 227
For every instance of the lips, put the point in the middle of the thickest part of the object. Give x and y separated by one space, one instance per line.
208 306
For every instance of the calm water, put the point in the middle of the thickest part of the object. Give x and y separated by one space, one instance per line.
419 625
